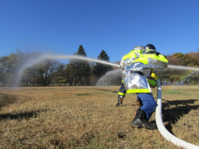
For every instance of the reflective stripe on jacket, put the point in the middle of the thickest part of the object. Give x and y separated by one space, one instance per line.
137 82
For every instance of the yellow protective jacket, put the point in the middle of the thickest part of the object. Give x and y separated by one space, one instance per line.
135 75
129 58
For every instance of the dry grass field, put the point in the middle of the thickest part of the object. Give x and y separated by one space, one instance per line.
86 117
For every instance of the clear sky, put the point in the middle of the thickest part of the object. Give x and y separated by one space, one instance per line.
116 26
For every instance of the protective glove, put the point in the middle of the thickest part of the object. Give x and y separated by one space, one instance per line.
152 79
154 76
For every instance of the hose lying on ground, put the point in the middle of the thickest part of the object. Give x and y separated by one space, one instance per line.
165 133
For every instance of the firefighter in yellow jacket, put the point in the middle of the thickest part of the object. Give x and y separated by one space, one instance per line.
135 81
127 60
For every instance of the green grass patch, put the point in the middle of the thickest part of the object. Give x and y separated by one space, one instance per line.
82 94
171 92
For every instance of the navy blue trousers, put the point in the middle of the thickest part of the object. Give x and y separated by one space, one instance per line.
149 103
122 91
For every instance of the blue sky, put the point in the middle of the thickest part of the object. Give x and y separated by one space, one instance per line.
116 26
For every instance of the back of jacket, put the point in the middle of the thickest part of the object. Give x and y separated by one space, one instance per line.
129 58
134 75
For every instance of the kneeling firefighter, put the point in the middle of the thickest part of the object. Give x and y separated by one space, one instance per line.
135 81
127 60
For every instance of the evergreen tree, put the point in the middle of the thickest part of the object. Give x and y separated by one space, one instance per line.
101 69
81 51
79 70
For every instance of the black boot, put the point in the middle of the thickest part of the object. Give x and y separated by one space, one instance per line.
140 120
120 99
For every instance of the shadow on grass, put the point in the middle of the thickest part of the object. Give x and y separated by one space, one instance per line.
108 90
168 103
173 114
6 99
25 115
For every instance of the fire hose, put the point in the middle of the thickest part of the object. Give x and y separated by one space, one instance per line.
164 132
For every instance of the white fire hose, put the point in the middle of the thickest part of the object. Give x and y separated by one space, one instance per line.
165 133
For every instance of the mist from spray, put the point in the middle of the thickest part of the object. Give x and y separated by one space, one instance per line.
105 79
31 61
116 73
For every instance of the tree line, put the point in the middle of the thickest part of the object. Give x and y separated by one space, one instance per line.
82 73
190 59
53 72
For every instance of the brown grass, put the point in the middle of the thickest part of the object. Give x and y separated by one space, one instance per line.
86 117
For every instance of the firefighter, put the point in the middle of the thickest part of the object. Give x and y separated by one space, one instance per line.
135 81
127 60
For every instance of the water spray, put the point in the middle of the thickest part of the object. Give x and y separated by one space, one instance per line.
49 56
41 58
108 76
35 60
182 67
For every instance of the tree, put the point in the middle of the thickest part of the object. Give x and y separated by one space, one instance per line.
81 51
3 69
47 71
78 71
83 70
101 69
